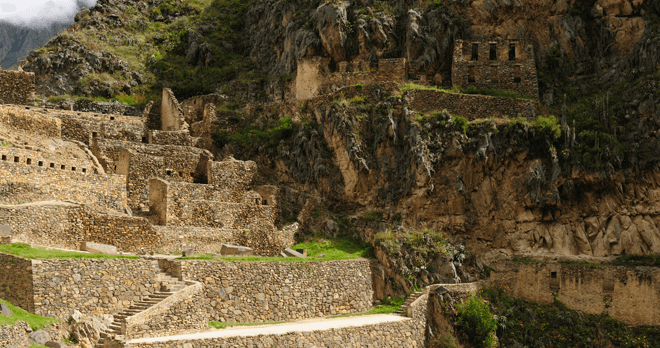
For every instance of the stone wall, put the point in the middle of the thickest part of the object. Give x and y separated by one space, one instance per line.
16 87
275 291
492 65
201 239
28 120
628 294
51 160
16 281
91 286
314 78
177 314
193 108
21 183
181 138
98 107
400 334
470 106
68 226
84 127
171 115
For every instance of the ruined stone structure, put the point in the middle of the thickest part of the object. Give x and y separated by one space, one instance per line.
503 64
125 187
16 87
628 294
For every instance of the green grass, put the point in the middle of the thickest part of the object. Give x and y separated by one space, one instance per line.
387 306
26 251
36 322
340 248
219 325
493 92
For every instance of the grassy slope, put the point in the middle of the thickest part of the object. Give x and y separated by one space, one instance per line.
340 248
142 37
36 322
26 251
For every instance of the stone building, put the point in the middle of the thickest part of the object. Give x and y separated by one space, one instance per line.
503 64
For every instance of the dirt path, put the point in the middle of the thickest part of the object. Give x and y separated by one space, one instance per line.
298 326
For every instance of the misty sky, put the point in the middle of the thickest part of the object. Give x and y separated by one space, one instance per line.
39 13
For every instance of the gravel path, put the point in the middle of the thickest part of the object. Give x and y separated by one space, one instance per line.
300 326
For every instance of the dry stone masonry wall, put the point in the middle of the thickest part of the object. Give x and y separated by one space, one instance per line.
16 87
471 106
275 291
503 64
91 286
628 294
26 119
16 281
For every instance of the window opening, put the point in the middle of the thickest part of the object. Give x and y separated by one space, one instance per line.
16 159
512 52
41 163
29 161
475 52
63 167
493 52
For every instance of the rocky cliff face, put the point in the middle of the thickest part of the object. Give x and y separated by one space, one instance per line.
583 185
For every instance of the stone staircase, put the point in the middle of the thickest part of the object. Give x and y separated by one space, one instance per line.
405 307
168 286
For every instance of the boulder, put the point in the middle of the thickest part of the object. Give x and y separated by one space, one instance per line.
39 337
54 344
88 332
188 252
228 249
293 253
98 248
4 309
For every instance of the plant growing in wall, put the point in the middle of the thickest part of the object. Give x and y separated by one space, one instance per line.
476 322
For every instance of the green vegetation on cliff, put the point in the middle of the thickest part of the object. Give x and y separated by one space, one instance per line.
525 323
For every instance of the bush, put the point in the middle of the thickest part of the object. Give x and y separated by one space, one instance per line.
444 341
476 322
373 216
460 124
548 126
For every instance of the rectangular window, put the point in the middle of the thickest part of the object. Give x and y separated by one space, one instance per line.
4 157
475 52
29 161
512 52
52 165
63 167
471 78
15 159
41 163
493 51
84 170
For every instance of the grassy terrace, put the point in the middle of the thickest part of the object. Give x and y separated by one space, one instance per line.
220 325
492 92
334 249
36 322
28 252
387 306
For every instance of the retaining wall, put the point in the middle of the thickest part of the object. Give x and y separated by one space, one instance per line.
628 294
470 106
275 291
45 160
16 281
33 122
18 181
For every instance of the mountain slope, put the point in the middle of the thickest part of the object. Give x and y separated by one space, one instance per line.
16 42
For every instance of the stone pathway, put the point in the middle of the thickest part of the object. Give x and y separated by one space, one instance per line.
298 326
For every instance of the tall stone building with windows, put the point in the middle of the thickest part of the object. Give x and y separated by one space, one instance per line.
503 64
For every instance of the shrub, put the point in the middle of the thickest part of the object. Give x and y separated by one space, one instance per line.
460 124
444 341
476 322
548 126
